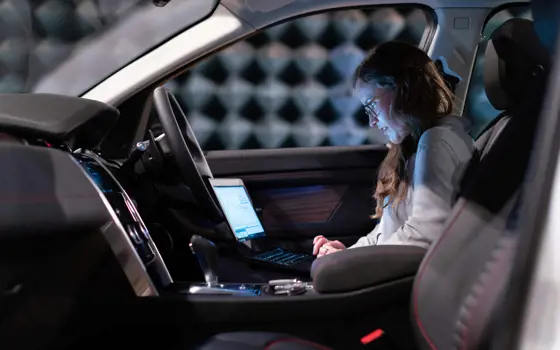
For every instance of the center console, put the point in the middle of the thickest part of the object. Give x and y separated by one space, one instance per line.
137 239
335 277
124 208
273 288
207 255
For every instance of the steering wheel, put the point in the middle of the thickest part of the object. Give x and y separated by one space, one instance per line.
190 160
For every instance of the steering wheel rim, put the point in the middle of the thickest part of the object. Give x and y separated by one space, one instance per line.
190 160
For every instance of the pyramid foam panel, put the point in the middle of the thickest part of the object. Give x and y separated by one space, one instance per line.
287 86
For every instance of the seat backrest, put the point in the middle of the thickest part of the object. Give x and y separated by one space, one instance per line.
499 96
482 146
463 273
484 142
500 100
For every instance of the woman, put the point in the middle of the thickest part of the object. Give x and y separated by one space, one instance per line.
405 96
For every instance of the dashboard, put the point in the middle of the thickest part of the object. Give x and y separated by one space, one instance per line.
130 223
73 123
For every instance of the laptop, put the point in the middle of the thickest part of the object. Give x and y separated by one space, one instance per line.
247 228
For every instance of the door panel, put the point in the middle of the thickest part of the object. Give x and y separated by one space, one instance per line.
303 192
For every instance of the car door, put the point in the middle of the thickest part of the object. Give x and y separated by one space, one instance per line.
304 192
277 111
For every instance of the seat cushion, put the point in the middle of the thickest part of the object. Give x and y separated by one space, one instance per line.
258 341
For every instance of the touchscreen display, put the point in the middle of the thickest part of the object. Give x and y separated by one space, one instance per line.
239 212
97 174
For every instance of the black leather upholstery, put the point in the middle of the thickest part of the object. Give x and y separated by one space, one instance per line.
463 274
336 273
259 341
507 66
513 51
505 78
472 258
490 134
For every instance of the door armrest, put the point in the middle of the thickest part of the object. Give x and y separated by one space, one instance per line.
358 268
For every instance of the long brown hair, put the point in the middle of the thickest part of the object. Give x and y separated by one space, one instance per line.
420 97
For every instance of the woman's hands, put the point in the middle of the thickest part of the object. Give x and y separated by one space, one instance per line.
322 246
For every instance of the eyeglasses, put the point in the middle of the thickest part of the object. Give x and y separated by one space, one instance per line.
369 107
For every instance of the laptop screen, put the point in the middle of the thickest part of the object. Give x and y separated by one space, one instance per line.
239 212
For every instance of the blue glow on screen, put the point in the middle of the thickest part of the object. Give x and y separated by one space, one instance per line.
98 178
239 212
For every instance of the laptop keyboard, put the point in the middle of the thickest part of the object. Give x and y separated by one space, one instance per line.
282 257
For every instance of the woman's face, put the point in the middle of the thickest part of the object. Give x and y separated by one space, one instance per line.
377 104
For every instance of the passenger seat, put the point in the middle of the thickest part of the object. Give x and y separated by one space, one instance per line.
501 93
501 90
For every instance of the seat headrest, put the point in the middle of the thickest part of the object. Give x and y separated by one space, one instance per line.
513 55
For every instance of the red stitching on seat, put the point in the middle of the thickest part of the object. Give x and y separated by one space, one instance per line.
296 341
420 275
485 281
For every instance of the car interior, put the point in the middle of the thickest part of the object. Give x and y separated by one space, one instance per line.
122 224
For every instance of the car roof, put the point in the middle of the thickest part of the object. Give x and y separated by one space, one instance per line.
261 13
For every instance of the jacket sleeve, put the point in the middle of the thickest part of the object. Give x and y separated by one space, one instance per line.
369 239
435 171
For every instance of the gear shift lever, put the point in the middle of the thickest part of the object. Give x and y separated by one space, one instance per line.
207 256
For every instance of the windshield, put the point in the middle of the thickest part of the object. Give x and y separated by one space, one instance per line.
69 46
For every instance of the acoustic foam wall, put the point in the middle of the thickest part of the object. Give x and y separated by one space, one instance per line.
287 86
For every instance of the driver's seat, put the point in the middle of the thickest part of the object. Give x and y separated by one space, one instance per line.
458 286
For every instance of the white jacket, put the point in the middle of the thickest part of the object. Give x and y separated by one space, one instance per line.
436 170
